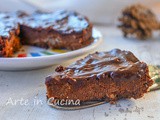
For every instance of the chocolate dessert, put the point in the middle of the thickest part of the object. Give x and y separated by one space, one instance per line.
106 76
60 29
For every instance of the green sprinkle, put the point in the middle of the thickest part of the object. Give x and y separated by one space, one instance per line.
47 53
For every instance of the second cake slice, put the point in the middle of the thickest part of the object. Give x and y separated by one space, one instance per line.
100 76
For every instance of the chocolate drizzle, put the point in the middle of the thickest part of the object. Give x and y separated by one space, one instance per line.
9 22
115 63
61 21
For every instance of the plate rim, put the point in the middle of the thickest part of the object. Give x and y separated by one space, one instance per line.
90 47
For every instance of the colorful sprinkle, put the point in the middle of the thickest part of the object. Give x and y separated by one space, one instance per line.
47 53
22 55
59 50
35 54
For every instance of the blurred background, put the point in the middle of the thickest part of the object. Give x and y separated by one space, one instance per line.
99 11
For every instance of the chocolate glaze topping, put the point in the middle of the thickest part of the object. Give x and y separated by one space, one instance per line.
9 22
61 21
115 63
5 29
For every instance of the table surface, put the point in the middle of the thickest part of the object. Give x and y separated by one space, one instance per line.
16 88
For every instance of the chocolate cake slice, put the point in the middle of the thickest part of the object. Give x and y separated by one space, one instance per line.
106 76
60 29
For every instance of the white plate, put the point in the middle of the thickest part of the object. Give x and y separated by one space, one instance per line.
30 57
